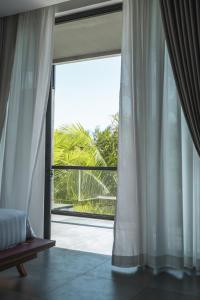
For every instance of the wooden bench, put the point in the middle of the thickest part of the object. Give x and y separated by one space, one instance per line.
18 255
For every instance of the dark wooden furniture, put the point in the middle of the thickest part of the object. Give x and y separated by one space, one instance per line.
18 255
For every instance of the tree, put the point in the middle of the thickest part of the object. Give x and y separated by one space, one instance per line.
107 141
73 145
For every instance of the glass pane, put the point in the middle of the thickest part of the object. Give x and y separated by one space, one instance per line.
87 191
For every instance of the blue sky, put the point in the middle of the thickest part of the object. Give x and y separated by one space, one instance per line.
87 92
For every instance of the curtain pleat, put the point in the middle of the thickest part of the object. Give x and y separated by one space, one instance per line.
158 209
22 183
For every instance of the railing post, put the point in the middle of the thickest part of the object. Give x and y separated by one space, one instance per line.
79 185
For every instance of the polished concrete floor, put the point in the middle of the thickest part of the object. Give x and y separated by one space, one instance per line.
84 272
75 233
60 274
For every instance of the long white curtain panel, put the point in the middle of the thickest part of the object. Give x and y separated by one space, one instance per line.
158 204
22 145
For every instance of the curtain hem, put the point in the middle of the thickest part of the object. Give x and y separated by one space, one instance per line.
155 262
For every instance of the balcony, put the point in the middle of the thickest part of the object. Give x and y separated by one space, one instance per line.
84 191
82 234
83 207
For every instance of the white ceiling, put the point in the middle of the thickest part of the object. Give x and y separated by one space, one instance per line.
11 7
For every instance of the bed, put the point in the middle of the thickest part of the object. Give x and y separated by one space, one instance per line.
18 243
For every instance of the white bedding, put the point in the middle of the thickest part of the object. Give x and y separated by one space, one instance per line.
14 228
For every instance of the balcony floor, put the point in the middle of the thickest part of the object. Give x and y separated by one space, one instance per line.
82 234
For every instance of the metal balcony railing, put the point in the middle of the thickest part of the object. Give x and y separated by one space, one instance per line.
84 190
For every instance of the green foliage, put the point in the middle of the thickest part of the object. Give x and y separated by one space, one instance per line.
73 145
96 207
107 142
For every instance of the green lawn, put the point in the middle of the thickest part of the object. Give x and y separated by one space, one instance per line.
94 206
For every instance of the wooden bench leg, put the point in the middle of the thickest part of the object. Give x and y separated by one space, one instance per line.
21 269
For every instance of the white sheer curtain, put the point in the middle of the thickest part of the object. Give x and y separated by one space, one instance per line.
158 206
22 146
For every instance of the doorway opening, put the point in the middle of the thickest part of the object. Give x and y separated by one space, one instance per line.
85 139
84 132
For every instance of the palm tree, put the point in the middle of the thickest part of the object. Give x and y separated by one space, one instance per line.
73 145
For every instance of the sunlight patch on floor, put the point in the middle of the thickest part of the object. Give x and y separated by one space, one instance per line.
82 234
